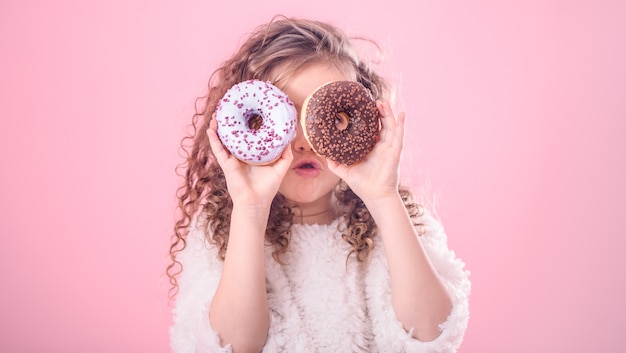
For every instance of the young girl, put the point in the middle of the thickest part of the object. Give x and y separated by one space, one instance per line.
305 254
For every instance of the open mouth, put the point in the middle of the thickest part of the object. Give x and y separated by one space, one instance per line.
308 165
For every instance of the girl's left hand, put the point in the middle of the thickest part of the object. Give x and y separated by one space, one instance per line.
376 176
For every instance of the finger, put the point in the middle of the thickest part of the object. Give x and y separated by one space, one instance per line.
287 153
336 168
388 120
285 159
400 128
221 154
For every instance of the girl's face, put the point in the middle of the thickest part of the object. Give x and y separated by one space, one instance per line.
308 182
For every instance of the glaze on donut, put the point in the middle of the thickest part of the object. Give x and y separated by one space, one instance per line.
340 121
256 121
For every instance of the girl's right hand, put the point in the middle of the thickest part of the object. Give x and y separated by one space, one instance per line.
249 185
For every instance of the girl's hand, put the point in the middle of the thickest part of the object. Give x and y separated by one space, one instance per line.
376 176
249 185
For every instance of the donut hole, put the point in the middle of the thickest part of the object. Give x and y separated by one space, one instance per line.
255 121
342 120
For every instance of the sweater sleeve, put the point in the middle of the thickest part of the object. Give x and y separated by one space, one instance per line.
191 331
389 334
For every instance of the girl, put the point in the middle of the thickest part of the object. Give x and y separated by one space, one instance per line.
306 255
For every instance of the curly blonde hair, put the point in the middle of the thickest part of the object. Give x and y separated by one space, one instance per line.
272 52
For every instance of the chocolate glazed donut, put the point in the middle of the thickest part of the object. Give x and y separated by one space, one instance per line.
340 121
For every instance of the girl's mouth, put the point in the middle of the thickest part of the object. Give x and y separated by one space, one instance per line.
308 168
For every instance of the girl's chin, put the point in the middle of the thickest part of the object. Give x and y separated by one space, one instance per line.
303 197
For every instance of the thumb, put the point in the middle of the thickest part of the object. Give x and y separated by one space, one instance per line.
336 168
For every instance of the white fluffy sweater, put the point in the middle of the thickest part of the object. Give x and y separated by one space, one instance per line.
317 303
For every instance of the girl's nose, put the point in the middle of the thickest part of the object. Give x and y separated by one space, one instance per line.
300 144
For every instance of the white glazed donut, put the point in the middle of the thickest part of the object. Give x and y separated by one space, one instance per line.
255 121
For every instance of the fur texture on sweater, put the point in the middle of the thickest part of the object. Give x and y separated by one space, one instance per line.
317 302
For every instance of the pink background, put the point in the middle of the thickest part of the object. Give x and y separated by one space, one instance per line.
517 128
